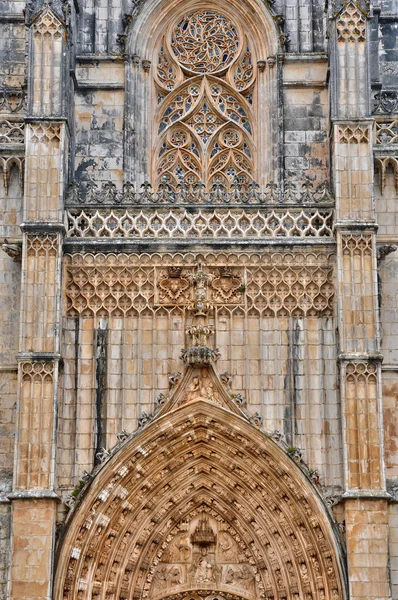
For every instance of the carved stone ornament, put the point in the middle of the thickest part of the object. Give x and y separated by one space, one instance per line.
14 251
175 288
351 24
353 134
230 517
60 8
12 100
270 283
205 551
226 288
205 224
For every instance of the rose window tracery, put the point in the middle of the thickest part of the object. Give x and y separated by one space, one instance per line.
205 42
205 85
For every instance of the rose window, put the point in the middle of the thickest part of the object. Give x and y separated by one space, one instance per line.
205 94
205 42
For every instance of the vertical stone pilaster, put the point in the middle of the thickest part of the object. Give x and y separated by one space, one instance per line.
350 73
360 360
367 548
34 501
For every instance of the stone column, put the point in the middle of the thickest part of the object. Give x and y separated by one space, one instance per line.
365 497
34 501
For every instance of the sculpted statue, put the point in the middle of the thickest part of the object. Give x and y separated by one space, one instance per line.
205 571
202 388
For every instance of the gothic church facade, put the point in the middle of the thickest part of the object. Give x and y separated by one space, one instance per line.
198 300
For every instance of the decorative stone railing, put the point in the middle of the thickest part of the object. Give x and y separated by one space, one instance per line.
199 223
294 193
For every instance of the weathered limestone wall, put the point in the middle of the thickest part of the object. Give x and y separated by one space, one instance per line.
12 45
99 121
284 367
12 75
306 118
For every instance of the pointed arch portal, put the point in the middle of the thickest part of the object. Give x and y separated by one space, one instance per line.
199 504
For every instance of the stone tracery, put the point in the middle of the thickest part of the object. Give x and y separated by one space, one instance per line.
207 45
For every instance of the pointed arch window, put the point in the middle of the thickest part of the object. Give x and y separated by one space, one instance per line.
205 97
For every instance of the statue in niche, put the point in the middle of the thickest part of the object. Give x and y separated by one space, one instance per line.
204 540
179 550
227 548
204 569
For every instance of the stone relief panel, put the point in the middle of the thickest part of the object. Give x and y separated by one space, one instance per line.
47 46
47 143
274 324
36 414
358 292
204 553
40 302
109 284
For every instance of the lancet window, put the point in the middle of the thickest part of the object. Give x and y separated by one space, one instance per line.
205 84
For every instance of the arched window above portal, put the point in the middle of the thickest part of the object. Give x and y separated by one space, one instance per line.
201 96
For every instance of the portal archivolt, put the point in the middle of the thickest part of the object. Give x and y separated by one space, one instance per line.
199 504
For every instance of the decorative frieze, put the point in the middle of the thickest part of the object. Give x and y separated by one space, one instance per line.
11 132
294 192
357 244
42 245
199 224
37 372
300 284
48 132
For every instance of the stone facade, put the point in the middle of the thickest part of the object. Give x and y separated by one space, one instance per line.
199 310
